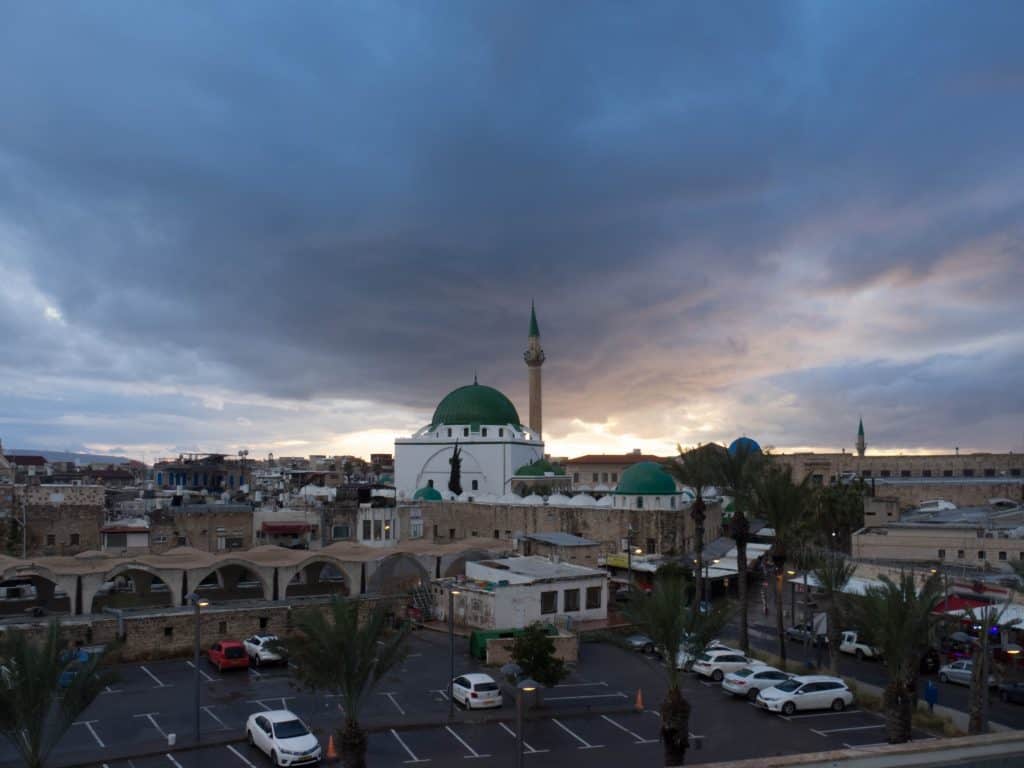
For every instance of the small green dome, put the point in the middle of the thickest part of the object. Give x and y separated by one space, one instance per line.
427 494
539 468
475 404
648 479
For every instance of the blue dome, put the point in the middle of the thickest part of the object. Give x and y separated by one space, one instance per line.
747 444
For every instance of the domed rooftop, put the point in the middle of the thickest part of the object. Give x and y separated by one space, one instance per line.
475 404
427 494
646 478
539 468
746 444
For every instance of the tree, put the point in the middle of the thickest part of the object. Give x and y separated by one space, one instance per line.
46 688
896 618
674 624
987 618
833 573
736 473
696 469
12 537
785 505
534 651
348 649
840 512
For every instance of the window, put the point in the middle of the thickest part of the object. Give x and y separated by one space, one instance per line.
960 554
575 477
968 473
367 530
74 540
942 554
222 628
651 548
473 534
885 473
378 530
615 477
483 432
981 554
416 528
159 539
1002 555
990 473
926 473
465 431
496 532
570 600
476 485
672 501
604 477
595 477
449 432
594 597
168 631
51 539
340 532
501 432
451 533
182 541
1015 472
430 483
947 473
263 622
639 502
865 473
387 530
508 534
905 473
549 602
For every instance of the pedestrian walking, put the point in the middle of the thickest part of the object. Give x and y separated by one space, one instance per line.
931 695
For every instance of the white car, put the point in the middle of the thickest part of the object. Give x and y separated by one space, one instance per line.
257 648
960 672
751 680
806 692
282 737
476 691
850 642
685 659
716 664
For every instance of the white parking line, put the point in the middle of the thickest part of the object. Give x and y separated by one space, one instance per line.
444 693
391 697
412 755
159 683
262 702
88 724
108 689
151 716
589 696
241 757
529 750
254 673
219 721
639 739
472 752
580 739
173 761
823 714
841 730
204 674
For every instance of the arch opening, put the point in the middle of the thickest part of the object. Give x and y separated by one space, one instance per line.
32 594
132 588
397 574
320 577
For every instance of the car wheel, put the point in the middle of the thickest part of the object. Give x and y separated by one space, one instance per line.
943 678
859 654
273 758
248 736
752 694
788 708
649 648
838 705
717 675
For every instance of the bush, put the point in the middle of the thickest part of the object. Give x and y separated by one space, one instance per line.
534 651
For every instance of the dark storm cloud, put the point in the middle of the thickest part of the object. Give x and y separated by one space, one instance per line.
359 200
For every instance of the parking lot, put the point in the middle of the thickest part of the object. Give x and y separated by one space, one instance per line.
592 713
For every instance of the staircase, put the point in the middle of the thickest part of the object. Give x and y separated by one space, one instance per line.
423 601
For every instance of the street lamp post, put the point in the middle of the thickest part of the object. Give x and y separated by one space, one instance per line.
522 688
792 598
197 603
707 580
629 558
451 650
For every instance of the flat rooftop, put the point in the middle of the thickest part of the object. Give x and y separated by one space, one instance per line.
524 570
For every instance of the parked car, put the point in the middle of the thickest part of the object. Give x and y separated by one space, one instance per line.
74 660
960 672
640 642
805 633
282 737
851 643
258 649
1013 692
716 664
228 654
806 692
685 658
750 681
476 691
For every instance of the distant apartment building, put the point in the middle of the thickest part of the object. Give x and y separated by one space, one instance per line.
61 519
600 472
208 471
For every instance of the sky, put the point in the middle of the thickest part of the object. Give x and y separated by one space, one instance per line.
294 227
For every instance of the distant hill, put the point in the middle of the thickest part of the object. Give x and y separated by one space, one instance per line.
78 458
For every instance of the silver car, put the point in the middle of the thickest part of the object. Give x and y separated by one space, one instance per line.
960 672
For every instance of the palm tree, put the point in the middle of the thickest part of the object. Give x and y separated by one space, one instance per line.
347 649
833 573
674 624
986 618
736 472
896 616
45 688
696 469
785 505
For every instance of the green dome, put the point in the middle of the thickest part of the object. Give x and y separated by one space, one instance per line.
475 404
427 494
539 468
648 479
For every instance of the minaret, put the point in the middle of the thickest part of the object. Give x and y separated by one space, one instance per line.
534 357
861 444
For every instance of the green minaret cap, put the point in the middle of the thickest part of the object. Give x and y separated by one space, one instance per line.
860 429
534 329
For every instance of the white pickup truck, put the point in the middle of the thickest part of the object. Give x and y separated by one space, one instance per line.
851 644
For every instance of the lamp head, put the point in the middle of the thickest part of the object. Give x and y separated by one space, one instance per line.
791 572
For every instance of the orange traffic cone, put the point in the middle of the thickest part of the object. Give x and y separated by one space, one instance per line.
639 700
332 752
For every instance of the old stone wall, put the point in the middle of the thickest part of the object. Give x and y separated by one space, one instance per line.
206 527
970 465
59 495
63 529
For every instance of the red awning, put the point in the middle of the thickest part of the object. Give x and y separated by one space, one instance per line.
291 528
958 603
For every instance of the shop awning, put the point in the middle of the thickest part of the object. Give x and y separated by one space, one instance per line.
958 603
285 528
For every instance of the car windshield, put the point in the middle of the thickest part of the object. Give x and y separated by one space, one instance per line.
788 686
705 657
486 686
289 729
745 672
234 652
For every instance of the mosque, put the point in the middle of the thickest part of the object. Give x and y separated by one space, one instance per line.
480 429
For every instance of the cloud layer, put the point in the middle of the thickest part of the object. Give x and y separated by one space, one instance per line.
295 231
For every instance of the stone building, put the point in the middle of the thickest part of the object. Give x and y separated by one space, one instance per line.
204 527
600 472
61 519
209 471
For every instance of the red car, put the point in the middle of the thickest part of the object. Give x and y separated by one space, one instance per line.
228 654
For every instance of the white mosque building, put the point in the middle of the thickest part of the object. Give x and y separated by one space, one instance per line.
484 425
